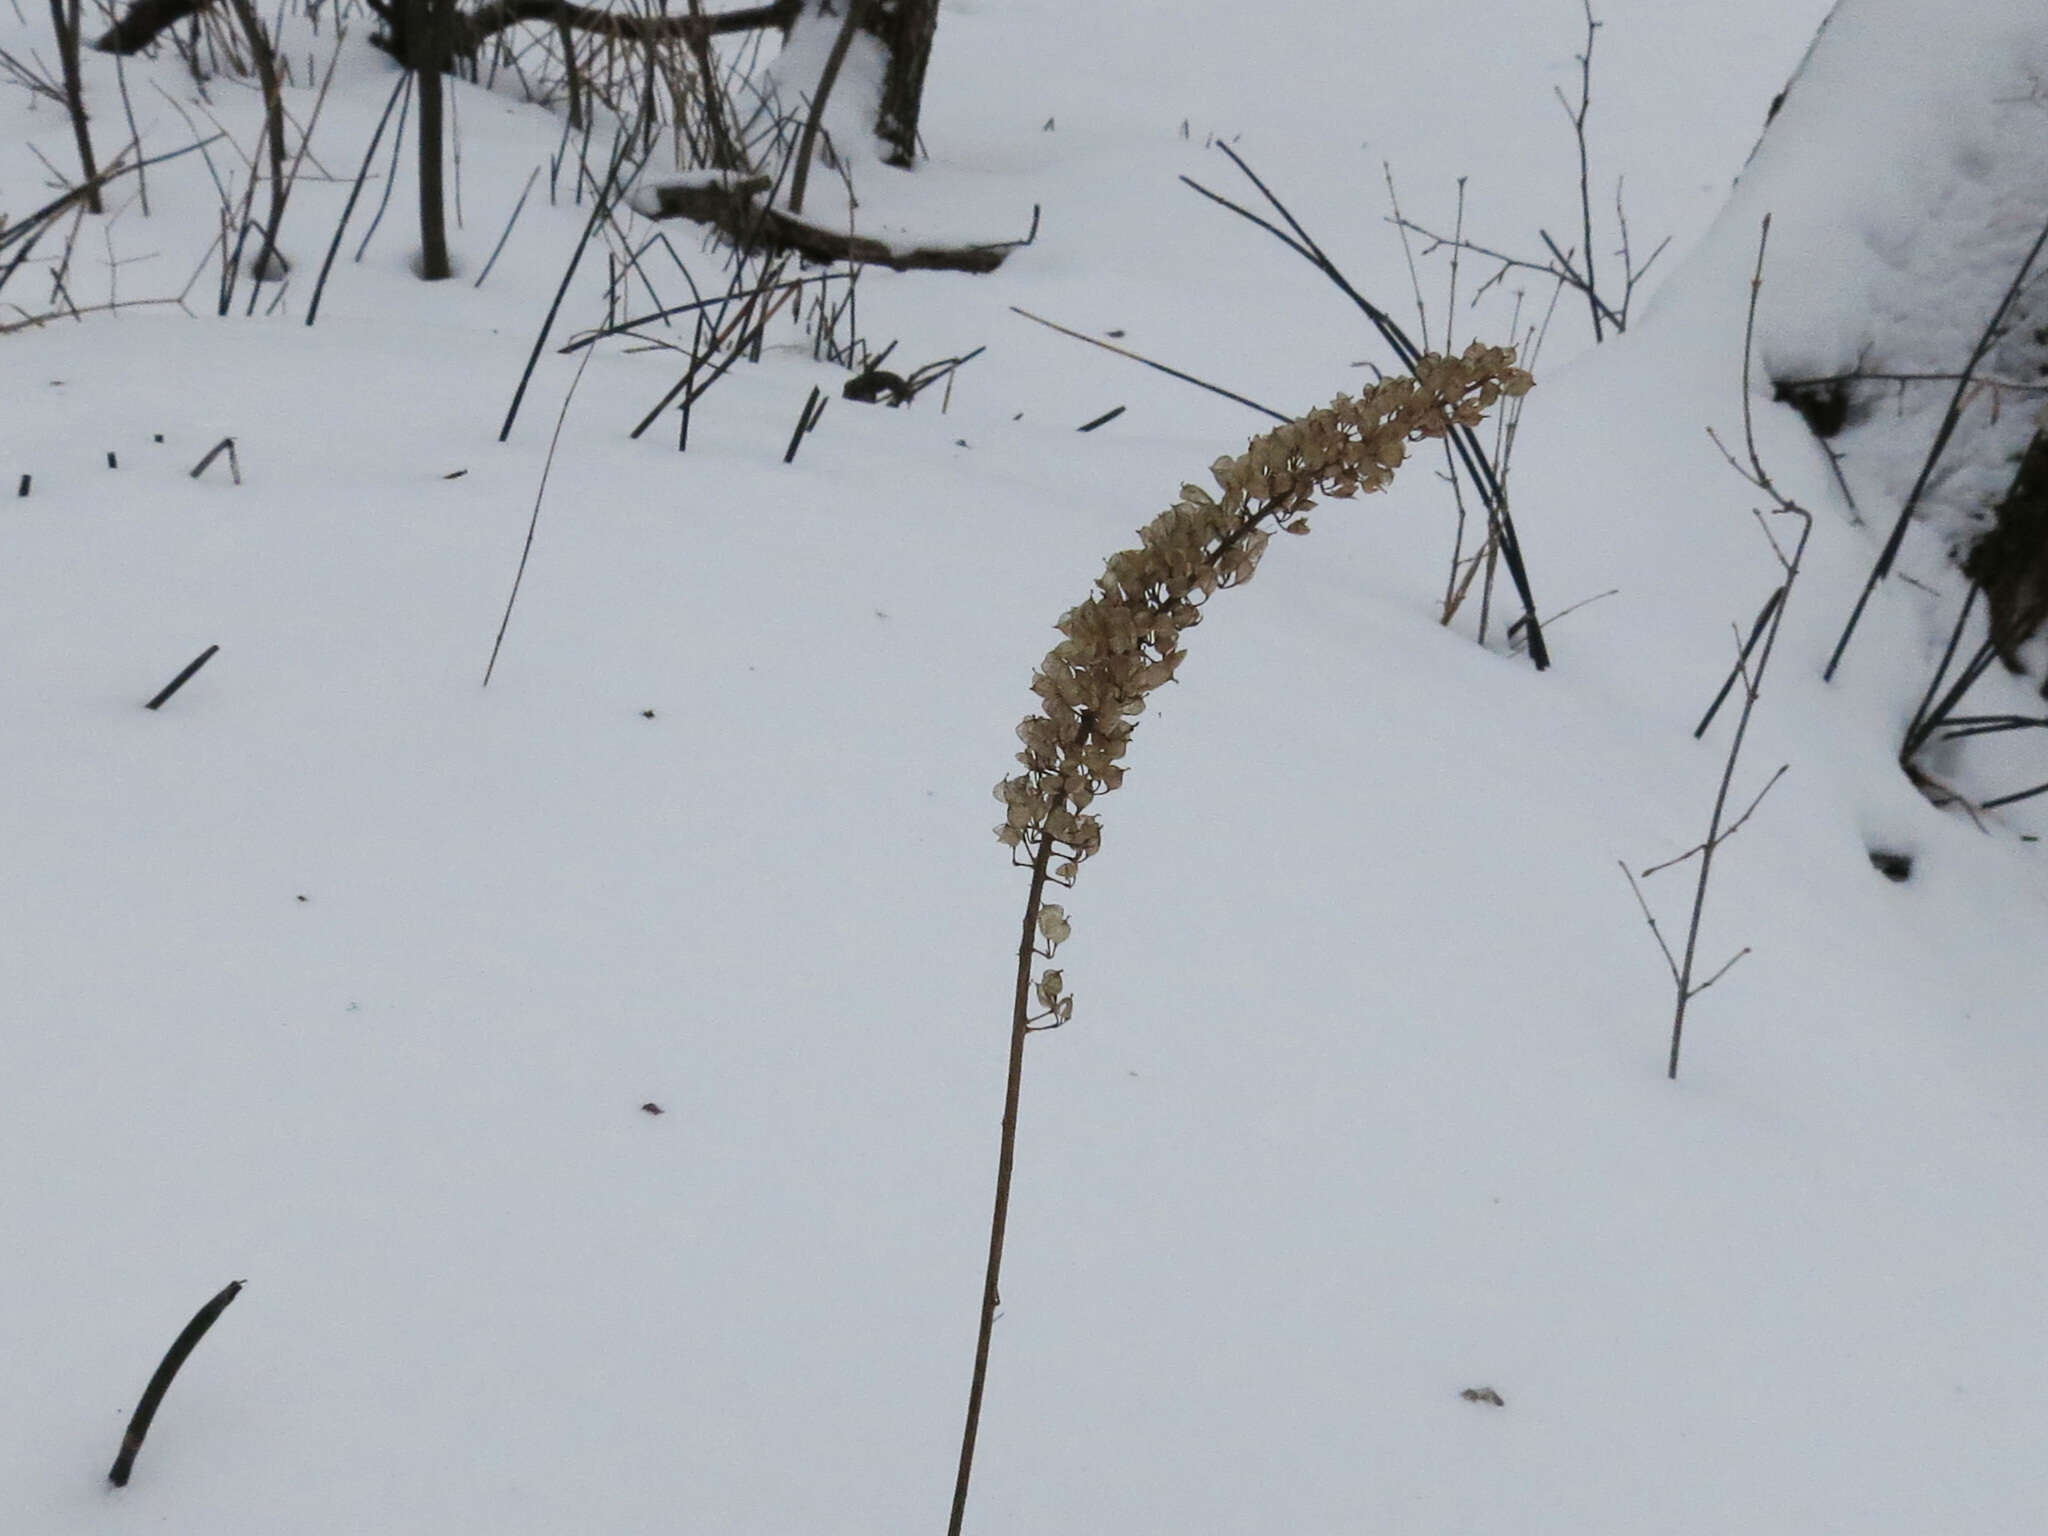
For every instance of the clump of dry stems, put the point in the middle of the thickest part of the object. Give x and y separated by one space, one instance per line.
1125 641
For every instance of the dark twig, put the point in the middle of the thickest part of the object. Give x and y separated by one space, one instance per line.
517 208
1174 373
807 419
403 85
2025 794
160 1383
1958 726
1006 1163
1927 715
747 330
1466 442
600 207
391 171
1592 286
626 327
533 522
1756 630
225 445
1101 421
163 697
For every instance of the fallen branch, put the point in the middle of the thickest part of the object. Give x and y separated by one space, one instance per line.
498 15
732 206
143 22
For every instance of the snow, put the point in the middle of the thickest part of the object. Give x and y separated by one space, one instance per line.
1363 1104
1960 135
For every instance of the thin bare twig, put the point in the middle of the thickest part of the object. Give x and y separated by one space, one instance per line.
533 522
1185 378
1732 828
1466 442
1719 829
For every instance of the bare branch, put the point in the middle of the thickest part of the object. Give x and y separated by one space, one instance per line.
1721 837
1650 918
1696 991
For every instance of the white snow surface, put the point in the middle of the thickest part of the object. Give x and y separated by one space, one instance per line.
1958 135
348 978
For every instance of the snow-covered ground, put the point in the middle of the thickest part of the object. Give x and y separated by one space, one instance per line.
349 978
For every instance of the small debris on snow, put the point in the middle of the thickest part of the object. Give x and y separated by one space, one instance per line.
1483 1395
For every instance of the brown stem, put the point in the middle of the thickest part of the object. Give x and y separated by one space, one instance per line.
991 1294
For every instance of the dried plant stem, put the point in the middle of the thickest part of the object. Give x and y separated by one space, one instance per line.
191 670
1172 373
225 445
160 1383
517 208
1593 304
1767 624
1124 642
1006 1163
600 209
1485 477
533 523
402 86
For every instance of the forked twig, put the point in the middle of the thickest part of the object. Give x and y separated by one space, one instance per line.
1768 623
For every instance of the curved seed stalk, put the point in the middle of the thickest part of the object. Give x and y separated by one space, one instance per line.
1125 641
